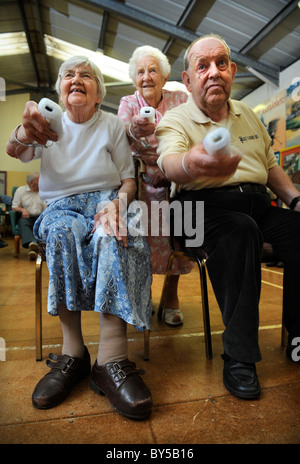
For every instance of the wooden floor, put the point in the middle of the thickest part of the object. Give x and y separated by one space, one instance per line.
191 404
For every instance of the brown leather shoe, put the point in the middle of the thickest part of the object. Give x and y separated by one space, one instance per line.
66 372
126 391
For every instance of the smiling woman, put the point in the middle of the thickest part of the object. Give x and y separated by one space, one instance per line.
94 262
149 69
79 75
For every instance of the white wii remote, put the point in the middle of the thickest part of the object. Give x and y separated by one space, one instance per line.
53 113
148 112
218 141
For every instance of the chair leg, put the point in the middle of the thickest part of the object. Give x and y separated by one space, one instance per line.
17 239
205 308
38 308
146 345
165 286
284 334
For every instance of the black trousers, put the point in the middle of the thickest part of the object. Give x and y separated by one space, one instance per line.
236 224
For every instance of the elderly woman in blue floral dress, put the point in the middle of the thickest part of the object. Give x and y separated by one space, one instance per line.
86 179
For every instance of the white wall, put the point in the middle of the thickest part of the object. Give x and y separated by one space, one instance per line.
266 91
11 112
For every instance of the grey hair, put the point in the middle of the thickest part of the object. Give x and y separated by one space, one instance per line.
78 61
31 176
186 58
147 50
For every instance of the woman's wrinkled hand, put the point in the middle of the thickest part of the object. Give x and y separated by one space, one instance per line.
35 126
160 180
111 218
141 127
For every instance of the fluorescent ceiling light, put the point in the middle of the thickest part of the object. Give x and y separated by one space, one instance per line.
109 66
174 85
13 43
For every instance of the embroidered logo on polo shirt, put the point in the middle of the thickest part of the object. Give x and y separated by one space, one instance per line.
248 138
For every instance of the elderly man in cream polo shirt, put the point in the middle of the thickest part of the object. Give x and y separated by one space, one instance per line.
238 216
28 203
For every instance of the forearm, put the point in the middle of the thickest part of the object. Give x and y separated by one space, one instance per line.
175 167
196 163
18 209
127 191
282 185
15 149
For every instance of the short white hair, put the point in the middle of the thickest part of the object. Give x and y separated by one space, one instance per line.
147 50
75 61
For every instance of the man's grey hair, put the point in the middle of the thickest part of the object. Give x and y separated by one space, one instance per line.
32 176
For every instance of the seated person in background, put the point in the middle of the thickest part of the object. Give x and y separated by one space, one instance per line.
87 180
149 69
28 203
238 215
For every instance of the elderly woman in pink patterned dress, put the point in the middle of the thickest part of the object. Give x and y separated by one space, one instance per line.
149 69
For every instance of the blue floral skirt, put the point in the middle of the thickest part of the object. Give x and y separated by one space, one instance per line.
94 272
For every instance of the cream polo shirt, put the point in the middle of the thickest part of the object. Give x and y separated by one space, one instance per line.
186 125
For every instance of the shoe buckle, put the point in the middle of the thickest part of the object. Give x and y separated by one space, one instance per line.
119 372
68 365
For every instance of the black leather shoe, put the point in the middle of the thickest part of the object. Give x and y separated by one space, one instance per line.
240 378
66 372
123 386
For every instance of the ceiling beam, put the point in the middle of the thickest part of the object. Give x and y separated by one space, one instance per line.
269 28
103 31
182 20
178 32
40 25
29 41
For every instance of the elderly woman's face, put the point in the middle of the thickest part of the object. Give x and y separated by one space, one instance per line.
79 88
149 80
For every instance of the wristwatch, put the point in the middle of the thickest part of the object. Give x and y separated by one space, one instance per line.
294 202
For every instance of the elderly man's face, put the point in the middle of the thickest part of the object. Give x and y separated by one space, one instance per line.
34 184
210 75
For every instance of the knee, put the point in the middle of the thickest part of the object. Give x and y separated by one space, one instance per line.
65 231
246 232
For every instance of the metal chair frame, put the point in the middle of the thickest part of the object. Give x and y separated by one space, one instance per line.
199 257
